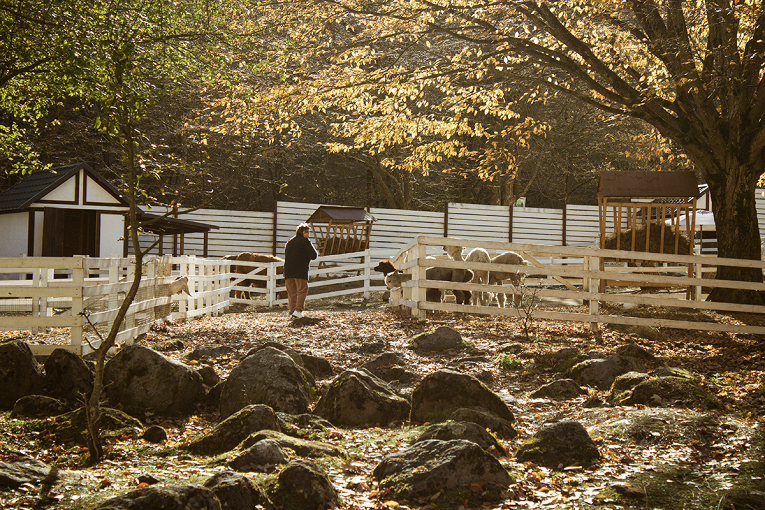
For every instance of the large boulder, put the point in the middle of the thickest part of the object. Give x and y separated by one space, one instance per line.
466 430
67 376
267 376
668 391
37 406
490 421
140 378
358 399
600 373
73 426
233 430
164 498
20 374
441 339
431 467
17 472
303 485
301 447
561 444
444 391
235 491
261 456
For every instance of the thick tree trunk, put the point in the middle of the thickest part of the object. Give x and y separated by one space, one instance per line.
738 234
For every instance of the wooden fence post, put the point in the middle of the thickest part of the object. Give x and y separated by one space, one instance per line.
594 286
418 273
367 272
78 283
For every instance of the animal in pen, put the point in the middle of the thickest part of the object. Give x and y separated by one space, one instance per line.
479 276
394 278
515 277
247 256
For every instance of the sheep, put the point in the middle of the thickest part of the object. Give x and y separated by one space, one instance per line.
480 276
515 277
394 278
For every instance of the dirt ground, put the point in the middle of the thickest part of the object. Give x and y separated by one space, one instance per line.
652 457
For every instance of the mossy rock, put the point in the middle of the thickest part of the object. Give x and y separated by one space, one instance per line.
73 426
671 391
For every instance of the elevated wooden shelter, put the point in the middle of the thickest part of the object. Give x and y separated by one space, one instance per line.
340 229
661 199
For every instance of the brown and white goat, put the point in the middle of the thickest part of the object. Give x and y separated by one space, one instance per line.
515 277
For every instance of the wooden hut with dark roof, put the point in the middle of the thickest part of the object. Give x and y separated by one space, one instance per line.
73 210
340 229
634 199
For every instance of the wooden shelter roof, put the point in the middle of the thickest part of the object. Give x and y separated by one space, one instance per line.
648 185
340 214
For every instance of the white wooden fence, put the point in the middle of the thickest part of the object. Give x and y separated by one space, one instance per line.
582 275
267 232
83 294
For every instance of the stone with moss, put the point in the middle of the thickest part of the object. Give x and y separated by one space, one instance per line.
560 389
267 376
500 427
227 434
301 447
671 391
441 339
166 498
431 467
303 485
464 430
558 445
36 406
235 490
444 391
358 399
20 373
601 373
73 426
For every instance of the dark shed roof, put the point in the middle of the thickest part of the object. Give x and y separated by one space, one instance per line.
38 184
340 214
648 185
170 226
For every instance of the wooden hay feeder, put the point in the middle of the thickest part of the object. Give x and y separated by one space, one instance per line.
642 211
337 229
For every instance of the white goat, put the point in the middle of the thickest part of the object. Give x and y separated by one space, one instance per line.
480 276
515 277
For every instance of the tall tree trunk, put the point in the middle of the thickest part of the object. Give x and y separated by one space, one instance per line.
738 233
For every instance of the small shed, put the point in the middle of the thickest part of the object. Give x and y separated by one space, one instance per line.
635 199
73 210
340 229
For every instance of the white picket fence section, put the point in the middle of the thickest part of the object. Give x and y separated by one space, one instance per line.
584 278
267 232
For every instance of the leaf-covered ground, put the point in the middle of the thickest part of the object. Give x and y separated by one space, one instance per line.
656 457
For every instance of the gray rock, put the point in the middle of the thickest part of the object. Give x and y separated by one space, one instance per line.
16 472
601 373
670 391
466 430
303 485
210 351
499 426
20 374
235 491
261 456
635 351
444 391
155 434
139 378
319 367
358 399
36 406
164 498
302 447
209 377
267 376
442 339
384 360
72 426
429 467
560 389
561 444
625 382
297 425
233 430
67 376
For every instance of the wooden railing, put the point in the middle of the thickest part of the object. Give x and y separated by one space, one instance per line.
575 274
84 294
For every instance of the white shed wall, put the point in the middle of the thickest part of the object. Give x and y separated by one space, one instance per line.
15 228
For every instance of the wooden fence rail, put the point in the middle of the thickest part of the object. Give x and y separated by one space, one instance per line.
575 274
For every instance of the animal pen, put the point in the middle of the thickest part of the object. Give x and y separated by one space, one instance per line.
567 280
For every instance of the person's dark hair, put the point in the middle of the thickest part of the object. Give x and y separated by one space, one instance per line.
301 228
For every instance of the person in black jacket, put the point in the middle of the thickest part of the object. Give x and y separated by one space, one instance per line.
298 254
